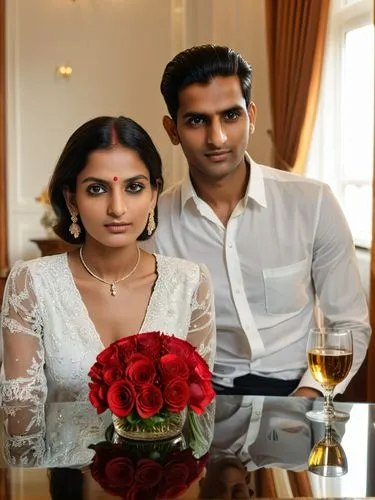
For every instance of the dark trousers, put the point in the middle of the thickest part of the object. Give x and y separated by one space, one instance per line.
255 385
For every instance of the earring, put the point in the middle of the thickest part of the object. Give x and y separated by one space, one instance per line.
74 227
151 222
252 128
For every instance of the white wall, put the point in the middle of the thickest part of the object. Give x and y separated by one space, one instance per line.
118 50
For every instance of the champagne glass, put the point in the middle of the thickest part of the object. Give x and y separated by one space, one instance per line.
330 357
328 458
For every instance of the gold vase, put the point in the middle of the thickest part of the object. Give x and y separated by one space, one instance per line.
170 428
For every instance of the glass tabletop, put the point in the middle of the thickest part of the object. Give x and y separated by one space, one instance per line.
244 447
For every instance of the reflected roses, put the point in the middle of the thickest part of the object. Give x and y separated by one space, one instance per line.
135 477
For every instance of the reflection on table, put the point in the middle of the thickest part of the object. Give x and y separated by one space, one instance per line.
257 447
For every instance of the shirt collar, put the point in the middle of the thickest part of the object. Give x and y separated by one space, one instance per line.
187 191
255 188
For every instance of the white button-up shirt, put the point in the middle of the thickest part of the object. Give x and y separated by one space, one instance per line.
263 431
286 243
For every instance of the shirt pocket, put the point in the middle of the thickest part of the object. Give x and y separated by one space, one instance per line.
285 288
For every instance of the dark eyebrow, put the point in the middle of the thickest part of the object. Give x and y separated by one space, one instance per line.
103 181
234 108
193 114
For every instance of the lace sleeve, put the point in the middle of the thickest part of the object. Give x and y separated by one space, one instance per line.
22 378
61 435
23 435
202 334
23 385
202 330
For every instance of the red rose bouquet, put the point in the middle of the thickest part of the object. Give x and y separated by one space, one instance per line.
161 470
147 380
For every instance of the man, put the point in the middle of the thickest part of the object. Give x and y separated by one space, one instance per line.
273 241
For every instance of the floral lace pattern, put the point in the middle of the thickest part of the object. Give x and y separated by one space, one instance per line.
50 343
61 435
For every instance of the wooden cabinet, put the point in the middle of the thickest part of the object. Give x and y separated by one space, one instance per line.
53 246
2 287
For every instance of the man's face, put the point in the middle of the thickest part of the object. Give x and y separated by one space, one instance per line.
212 127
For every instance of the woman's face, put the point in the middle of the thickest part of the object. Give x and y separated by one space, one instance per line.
225 481
113 196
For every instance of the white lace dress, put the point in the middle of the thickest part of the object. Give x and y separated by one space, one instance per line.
50 342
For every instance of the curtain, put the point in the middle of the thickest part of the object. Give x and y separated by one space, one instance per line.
3 209
300 484
296 32
266 483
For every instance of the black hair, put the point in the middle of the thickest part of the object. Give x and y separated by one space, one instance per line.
199 65
94 135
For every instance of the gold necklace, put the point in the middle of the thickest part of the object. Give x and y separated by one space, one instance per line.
114 283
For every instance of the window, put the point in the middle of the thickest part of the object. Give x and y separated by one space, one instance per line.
342 150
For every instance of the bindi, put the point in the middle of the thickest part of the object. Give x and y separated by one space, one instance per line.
115 178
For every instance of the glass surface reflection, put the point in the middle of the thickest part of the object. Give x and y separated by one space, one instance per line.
328 458
258 447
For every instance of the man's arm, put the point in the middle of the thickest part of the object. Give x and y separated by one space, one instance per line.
337 283
307 392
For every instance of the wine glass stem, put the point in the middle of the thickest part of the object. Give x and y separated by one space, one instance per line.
328 409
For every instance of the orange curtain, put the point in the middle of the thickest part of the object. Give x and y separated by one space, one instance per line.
266 484
3 209
300 484
296 32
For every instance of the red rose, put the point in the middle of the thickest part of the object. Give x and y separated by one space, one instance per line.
125 348
176 474
149 401
173 345
172 367
181 470
98 397
176 395
111 375
108 355
119 472
121 397
141 372
201 394
96 372
111 469
150 343
200 366
148 473
138 356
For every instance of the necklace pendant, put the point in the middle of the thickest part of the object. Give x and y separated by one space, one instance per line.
113 289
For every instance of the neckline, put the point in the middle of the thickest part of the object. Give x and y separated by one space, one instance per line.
84 311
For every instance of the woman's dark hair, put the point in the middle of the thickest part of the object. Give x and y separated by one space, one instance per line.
199 65
94 135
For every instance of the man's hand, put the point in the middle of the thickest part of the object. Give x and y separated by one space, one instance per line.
307 392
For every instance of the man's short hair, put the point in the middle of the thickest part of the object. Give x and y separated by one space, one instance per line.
199 65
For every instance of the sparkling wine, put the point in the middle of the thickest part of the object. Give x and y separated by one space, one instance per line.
329 366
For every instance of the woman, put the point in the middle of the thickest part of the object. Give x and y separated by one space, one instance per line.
60 311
